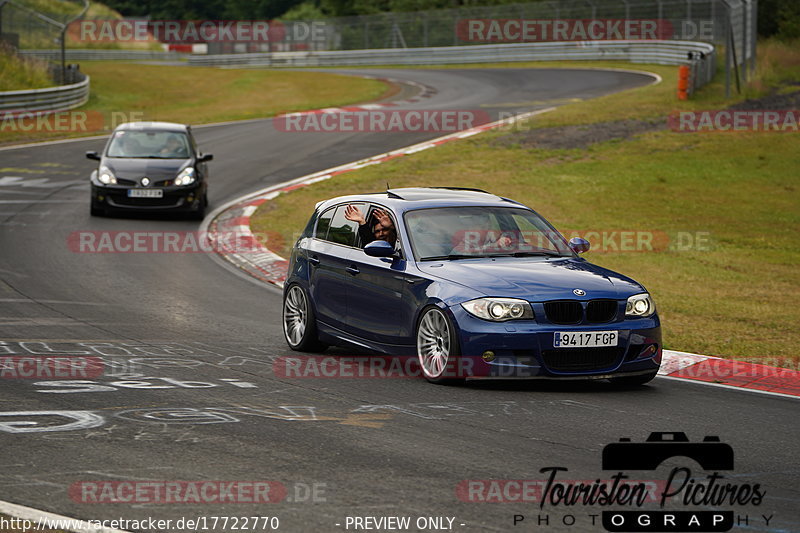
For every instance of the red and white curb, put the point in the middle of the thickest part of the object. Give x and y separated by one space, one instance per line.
44 521
730 373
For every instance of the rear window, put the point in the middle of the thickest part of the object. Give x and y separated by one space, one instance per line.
342 231
332 226
323 223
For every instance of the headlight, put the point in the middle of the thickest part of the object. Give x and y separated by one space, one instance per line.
640 305
499 309
106 177
186 177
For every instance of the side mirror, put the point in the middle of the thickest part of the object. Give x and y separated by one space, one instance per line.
205 157
579 245
92 155
379 249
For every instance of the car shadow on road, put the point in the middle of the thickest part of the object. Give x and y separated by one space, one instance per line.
339 363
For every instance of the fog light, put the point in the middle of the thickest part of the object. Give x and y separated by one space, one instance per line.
101 198
488 356
648 352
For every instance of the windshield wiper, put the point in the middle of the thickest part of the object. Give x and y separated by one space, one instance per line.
450 256
546 253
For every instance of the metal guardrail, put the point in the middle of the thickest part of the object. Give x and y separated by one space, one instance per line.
701 56
48 100
75 54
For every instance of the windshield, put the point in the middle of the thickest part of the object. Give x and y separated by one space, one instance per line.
149 144
467 232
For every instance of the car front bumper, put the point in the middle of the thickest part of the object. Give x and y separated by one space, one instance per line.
524 349
173 198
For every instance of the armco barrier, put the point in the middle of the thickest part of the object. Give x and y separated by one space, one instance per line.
701 56
48 100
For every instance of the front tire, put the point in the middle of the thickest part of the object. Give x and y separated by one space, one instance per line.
299 322
437 348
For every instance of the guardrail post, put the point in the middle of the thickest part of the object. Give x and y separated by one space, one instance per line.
728 38
425 30
745 41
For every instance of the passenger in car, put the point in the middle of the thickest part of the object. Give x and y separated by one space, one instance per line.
382 229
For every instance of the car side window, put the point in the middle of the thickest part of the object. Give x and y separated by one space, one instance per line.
366 236
343 231
323 223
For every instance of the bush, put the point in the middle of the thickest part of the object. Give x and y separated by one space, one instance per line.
18 73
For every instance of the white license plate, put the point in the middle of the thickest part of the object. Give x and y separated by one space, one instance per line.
145 193
584 339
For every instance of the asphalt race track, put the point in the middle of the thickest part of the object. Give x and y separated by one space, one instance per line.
208 406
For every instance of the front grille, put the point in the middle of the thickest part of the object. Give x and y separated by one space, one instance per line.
130 183
601 310
123 200
581 359
564 312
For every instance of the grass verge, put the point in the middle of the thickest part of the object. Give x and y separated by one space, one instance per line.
195 95
729 203
18 74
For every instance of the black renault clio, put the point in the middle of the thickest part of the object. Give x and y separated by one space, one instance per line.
150 166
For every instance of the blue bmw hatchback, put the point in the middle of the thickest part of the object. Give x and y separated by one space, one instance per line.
471 284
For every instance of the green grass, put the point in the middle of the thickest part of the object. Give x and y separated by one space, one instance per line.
734 298
197 95
17 74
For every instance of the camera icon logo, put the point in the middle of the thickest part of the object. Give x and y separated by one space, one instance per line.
710 454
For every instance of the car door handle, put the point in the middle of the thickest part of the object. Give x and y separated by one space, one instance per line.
352 270
314 260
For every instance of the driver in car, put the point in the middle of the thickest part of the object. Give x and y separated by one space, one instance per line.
173 147
382 228
477 236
